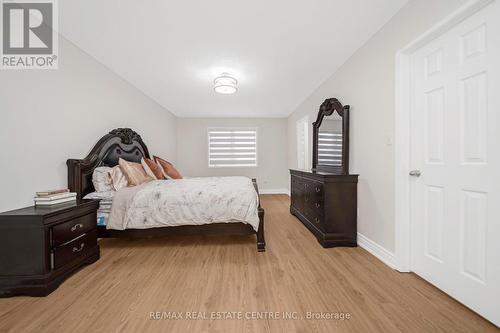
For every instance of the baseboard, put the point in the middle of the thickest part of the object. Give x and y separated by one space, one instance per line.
274 191
384 255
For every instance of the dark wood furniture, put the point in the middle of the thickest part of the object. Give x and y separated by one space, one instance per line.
326 204
127 144
41 246
326 113
324 199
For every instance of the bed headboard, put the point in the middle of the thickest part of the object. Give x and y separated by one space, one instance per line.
120 142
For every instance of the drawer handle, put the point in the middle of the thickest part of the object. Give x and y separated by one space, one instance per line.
317 205
316 220
318 189
75 249
76 226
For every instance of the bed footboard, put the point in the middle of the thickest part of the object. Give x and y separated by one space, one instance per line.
261 241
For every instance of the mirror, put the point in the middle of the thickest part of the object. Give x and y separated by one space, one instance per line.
331 138
330 141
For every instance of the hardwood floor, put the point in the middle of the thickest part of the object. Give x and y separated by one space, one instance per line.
210 274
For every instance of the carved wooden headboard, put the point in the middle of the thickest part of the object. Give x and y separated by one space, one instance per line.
120 142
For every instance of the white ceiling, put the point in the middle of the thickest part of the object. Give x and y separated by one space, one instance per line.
279 50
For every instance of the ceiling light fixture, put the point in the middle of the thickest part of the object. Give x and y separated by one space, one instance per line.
225 84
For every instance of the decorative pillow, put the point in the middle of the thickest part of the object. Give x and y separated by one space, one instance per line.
118 178
168 169
134 172
152 169
163 171
102 180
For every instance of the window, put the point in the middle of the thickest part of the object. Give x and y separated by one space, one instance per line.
232 147
303 143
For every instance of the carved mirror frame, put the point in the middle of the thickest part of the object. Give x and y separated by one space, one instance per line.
326 109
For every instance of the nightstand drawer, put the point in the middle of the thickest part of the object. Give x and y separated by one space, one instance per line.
78 247
69 230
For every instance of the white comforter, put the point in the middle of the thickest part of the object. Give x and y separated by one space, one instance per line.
192 201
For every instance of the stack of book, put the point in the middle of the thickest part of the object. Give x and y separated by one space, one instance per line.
54 197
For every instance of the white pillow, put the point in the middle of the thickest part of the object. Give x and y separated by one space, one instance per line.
102 180
101 195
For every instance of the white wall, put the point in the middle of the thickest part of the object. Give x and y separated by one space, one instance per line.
47 117
366 82
271 172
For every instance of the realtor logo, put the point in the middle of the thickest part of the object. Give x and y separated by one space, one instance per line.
29 34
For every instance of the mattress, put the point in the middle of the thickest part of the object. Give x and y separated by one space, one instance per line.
193 201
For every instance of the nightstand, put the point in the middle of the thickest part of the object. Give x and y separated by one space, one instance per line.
42 246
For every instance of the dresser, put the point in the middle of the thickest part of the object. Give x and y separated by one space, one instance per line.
326 204
42 246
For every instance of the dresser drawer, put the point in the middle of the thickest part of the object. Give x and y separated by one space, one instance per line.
317 206
69 230
315 217
326 203
315 190
67 252
317 221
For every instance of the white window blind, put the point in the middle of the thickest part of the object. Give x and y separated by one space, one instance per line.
232 147
330 148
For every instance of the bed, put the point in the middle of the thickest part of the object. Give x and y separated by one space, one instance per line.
127 144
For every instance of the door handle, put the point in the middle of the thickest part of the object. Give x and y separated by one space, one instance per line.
415 173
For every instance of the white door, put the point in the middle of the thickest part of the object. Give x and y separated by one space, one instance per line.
455 145
303 143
